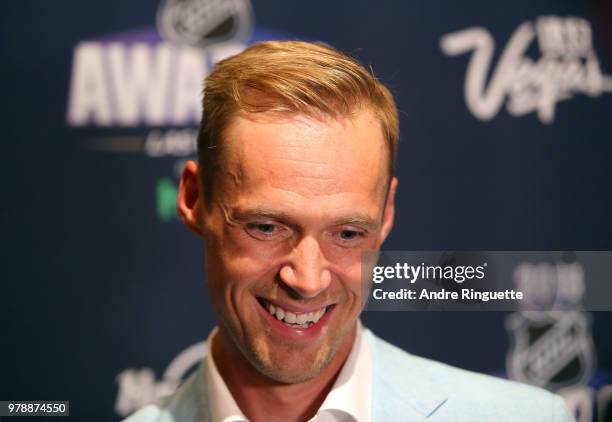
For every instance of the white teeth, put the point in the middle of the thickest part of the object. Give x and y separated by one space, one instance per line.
280 314
290 318
319 314
296 320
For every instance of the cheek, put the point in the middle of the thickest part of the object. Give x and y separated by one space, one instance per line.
231 283
237 244
234 250
236 266
347 268
353 281
348 260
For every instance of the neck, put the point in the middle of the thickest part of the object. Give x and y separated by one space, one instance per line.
263 399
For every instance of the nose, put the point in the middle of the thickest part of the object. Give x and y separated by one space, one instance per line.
306 272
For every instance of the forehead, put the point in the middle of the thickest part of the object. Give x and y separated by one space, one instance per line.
275 156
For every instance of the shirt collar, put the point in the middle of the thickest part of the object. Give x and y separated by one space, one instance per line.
350 395
223 407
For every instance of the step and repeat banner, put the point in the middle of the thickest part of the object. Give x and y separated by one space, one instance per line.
506 145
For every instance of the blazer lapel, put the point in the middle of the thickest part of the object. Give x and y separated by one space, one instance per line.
402 388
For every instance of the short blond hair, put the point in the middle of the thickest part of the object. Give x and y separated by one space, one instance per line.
289 76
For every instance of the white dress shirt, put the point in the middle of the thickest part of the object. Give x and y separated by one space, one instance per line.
350 399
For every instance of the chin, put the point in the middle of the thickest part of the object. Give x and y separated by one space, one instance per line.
292 372
291 367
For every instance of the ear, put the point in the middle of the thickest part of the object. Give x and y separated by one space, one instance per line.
190 198
389 213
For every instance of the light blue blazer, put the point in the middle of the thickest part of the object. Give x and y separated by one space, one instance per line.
406 388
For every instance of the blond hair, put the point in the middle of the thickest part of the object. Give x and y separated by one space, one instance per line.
289 76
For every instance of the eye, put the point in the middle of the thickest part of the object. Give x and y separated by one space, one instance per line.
349 234
350 237
265 231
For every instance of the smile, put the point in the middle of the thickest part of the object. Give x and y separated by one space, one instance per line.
300 320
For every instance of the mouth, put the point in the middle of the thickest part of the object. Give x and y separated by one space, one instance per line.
294 319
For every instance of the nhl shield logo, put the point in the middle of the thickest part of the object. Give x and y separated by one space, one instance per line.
549 349
200 23
138 387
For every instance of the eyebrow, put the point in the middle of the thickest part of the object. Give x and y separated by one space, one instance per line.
359 220
245 215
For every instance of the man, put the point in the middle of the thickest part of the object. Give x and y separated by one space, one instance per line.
294 181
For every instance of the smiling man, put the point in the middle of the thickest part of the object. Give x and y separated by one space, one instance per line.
294 181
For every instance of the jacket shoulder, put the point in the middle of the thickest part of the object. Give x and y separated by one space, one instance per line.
186 404
450 393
